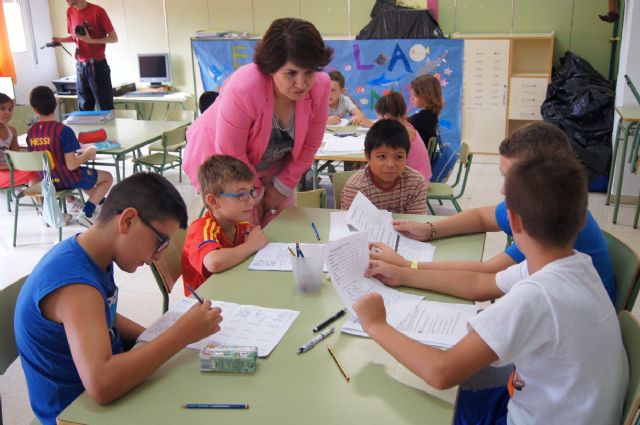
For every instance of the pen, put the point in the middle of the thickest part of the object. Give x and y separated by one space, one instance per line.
214 406
291 251
335 359
309 345
330 320
193 291
315 229
298 250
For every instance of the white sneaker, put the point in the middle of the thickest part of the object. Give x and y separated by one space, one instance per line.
68 218
85 221
75 206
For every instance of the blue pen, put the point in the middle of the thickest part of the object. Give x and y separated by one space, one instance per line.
315 229
214 406
298 250
193 291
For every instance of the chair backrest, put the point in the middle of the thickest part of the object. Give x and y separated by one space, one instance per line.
24 161
339 180
466 159
626 266
180 115
8 350
312 198
432 143
174 137
168 269
630 328
131 114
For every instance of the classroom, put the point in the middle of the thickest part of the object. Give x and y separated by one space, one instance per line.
507 70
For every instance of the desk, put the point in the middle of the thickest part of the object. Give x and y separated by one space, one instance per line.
67 102
328 157
287 388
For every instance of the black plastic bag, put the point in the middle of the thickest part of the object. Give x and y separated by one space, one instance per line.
580 101
391 21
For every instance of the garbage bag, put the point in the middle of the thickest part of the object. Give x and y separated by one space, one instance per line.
580 101
391 21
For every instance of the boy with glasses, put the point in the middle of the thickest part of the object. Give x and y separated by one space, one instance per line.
69 335
223 237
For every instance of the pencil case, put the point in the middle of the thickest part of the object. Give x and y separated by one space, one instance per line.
92 136
228 358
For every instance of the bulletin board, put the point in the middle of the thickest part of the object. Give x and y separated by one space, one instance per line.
370 67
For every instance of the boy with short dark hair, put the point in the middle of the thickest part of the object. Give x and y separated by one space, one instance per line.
66 165
340 105
386 180
68 332
553 318
223 237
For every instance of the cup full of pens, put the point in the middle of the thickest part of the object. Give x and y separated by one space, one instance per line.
307 269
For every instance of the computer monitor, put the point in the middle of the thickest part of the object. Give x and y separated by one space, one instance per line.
154 68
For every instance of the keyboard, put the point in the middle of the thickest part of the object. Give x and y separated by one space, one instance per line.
145 93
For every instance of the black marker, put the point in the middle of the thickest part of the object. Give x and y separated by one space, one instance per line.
330 320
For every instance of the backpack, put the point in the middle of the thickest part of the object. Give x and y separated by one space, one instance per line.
443 160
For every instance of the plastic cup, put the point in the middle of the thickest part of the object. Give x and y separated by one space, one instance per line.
307 273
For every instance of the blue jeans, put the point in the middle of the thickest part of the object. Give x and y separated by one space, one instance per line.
482 407
94 84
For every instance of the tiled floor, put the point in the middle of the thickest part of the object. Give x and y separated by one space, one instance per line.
139 297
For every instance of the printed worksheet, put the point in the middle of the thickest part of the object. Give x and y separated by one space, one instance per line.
275 256
242 325
347 259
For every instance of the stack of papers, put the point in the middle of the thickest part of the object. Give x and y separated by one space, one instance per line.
89 117
275 256
333 144
242 325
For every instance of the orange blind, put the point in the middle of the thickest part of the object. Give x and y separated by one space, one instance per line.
6 59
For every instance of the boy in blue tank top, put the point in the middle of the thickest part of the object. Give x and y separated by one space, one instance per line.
68 332
531 141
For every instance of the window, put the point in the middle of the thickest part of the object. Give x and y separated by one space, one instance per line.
13 19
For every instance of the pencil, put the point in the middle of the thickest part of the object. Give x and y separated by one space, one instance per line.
214 406
291 251
335 359
315 230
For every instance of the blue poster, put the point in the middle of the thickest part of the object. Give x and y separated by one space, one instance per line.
371 68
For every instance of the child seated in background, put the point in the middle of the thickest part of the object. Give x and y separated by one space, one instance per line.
553 318
392 106
341 106
223 237
386 179
530 141
425 93
68 332
206 99
66 165
9 142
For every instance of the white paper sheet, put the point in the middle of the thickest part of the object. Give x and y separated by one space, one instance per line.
333 143
276 257
242 325
431 323
347 259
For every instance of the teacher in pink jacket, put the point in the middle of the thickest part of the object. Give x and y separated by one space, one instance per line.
270 114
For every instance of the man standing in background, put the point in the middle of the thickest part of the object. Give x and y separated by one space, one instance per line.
90 28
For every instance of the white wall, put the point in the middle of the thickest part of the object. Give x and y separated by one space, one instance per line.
629 65
34 67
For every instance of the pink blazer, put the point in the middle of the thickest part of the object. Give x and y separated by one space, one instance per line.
240 120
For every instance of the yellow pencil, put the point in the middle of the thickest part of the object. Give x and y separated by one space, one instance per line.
335 359
291 251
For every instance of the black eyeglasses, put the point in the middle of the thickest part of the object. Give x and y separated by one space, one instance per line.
241 196
163 240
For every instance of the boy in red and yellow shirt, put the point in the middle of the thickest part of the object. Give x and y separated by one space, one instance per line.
223 237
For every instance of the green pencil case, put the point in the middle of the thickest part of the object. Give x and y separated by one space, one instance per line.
228 358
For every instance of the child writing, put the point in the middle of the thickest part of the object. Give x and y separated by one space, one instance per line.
223 237
425 93
554 320
386 179
528 142
340 105
66 165
68 332
9 141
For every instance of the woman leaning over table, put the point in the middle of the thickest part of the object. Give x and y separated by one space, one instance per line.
271 114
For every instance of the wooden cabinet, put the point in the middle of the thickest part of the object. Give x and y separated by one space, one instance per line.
517 79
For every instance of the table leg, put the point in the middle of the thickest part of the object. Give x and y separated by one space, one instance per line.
314 168
635 220
616 142
633 159
623 154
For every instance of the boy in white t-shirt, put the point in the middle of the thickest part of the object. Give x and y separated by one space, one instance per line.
553 319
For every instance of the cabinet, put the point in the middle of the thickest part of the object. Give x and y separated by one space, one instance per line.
515 69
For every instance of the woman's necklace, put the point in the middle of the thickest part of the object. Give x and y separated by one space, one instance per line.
290 122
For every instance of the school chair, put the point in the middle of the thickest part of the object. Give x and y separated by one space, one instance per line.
338 180
32 161
130 114
626 268
172 141
443 191
432 144
630 328
168 268
312 199
23 118
179 115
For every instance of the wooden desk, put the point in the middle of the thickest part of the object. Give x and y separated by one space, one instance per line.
287 388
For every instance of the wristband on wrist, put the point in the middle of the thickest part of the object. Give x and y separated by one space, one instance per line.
433 231
414 264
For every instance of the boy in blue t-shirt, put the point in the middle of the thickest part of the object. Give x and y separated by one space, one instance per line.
62 144
531 141
68 332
